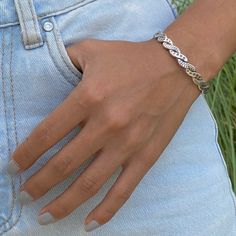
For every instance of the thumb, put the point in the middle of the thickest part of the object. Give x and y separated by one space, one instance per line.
75 53
82 52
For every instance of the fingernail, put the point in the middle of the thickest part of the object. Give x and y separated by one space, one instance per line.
12 167
91 226
25 198
46 218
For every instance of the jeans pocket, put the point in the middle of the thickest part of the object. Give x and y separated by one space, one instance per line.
57 51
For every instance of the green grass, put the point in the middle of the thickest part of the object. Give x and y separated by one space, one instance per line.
222 101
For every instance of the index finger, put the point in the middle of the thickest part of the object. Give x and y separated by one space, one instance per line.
48 132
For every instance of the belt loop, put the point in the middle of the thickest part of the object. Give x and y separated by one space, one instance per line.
30 29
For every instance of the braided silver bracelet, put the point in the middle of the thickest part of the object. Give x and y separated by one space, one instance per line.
183 61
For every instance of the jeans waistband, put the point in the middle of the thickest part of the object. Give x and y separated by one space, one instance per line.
27 13
43 9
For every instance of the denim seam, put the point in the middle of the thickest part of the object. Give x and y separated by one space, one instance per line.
34 23
16 140
14 123
5 113
9 151
35 45
39 38
50 14
55 33
172 9
62 57
56 64
4 101
24 25
29 45
221 156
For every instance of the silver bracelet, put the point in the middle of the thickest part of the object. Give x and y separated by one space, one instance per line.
183 61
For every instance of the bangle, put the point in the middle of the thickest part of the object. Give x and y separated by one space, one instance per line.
183 61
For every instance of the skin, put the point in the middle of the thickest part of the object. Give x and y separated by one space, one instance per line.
131 101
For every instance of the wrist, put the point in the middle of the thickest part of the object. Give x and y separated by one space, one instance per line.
203 58
208 40
168 67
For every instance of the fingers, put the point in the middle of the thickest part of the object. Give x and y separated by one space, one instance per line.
122 189
92 180
87 185
80 52
47 133
135 169
63 164
89 141
75 58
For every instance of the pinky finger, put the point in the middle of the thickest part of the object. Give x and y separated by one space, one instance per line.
134 170
119 193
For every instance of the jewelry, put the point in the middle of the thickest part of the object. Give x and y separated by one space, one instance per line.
183 61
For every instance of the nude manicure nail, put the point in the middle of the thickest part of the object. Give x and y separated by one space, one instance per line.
25 198
46 218
91 226
12 168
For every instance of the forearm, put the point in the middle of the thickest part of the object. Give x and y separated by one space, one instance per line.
206 34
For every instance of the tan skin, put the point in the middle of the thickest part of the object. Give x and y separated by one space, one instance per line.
131 101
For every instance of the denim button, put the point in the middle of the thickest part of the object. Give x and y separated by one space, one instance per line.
48 26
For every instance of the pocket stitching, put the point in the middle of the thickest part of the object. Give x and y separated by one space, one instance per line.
56 36
76 75
56 64
9 223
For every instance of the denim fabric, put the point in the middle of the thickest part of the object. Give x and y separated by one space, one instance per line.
187 191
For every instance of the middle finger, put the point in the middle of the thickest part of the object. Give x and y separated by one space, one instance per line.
64 163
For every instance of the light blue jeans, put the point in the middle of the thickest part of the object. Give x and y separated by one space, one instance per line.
187 191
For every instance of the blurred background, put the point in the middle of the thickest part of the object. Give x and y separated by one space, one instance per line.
222 101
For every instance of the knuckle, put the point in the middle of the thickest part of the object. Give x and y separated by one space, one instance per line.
132 142
62 166
92 95
89 185
25 150
36 188
108 214
61 209
134 138
123 193
115 119
43 135
28 153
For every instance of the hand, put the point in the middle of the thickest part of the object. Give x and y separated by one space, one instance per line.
130 102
